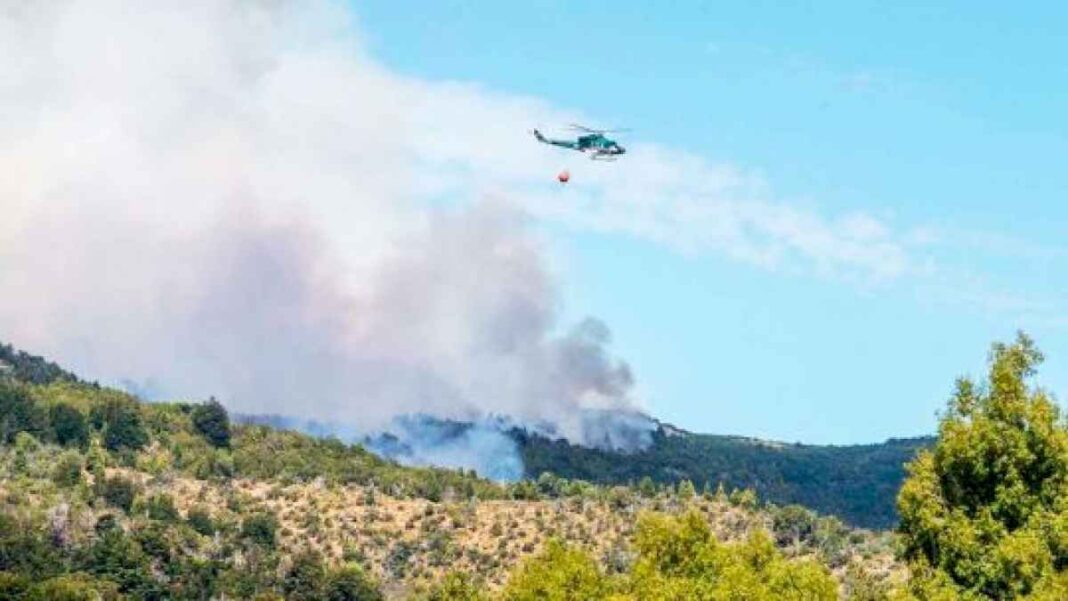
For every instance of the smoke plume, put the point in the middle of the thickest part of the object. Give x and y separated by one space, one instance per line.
230 199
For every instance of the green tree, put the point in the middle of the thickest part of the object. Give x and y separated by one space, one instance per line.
260 528
122 424
19 413
68 425
200 520
119 559
350 583
14 586
68 470
744 498
71 587
686 491
305 578
646 487
549 484
457 586
793 525
25 549
679 558
119 492
985 513
212 422
161 507
861 585
559 573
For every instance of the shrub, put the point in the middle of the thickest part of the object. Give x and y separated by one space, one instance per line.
456 586
350 583
212 422
646 487
19 413
744 498
117 558
860 585
161 507
119 492
261 529
105 523
14 586
154 541
122 424
68 425
200 521
306 577
686 490
26 549
793 525
68 470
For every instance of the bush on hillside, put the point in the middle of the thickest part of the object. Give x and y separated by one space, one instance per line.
119 492
350 583
19 413
68 425
121 422
68 470
261 529
212 422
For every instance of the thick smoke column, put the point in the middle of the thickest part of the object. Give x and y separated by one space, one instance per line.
229 199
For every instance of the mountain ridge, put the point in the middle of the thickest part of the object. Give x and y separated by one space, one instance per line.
857 483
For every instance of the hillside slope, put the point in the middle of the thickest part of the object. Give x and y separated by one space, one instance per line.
105 497
856 483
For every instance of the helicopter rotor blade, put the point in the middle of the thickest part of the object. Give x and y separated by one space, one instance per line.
597 131
583 128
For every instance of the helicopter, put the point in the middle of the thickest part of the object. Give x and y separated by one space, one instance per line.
592 142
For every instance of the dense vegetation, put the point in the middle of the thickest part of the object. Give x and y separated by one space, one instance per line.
24 367
104 497
856 483
676 558
985 513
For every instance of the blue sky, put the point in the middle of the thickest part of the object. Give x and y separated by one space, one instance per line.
947 118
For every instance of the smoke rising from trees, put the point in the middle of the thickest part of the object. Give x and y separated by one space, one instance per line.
229 199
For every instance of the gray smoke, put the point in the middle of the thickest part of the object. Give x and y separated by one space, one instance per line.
228 199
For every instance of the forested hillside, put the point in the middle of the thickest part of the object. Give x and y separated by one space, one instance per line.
105 497
24 367
856 483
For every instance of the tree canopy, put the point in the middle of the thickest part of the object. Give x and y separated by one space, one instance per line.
984 514
678 559
212 422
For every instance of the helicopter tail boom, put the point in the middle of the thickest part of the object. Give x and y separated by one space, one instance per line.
560 143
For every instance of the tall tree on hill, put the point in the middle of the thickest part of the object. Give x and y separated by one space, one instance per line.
985 513
68 425
212 422
19 413
122 424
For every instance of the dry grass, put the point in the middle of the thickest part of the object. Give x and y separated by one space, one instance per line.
412 542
